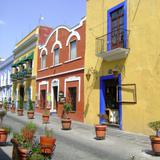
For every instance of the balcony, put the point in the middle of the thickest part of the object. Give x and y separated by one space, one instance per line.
20 75
113 46
27 72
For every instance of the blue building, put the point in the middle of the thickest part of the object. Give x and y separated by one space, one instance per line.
5 80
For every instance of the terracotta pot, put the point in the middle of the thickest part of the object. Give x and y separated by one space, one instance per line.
22 153
30 114
45 118
100 131
66 123
3 135
15 154
47 144
13 109
20 112
155 142
7 108
27 135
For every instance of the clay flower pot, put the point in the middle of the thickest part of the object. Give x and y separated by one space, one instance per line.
66 123
100 131
22 153
30 114
13 109
47 144
45 118
20 112
1 105
27 135
155 142
3 135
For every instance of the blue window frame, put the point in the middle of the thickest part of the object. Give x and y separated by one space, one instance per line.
110 11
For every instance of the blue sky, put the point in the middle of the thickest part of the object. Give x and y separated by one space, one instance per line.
19 17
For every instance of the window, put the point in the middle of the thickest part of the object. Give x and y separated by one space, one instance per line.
72 97
56 56
43 61
73 50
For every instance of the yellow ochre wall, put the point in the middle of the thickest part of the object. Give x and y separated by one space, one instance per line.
142 66
34 66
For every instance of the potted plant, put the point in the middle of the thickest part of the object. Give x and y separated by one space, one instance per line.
155 139
21 147
13 107
100 129
20 107
4 130
28 131
45 115
47 142
1 104
66 120
30 112
5 104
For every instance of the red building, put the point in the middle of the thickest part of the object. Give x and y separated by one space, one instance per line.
61 70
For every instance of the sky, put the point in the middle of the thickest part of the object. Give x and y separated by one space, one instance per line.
19 17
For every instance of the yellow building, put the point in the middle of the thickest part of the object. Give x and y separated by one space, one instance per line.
122 63
24 68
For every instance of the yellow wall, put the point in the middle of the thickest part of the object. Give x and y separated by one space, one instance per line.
142 65
34 66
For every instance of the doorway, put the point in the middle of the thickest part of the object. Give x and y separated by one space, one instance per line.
55 98
43 99
22 92
110 96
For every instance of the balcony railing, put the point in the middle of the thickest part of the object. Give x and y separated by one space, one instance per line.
14 76
112 46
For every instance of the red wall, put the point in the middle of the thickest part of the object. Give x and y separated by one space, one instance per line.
50 73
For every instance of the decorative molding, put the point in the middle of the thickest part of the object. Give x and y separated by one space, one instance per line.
44 49
71 79
40 84
73 33
56 65
71 60
58 74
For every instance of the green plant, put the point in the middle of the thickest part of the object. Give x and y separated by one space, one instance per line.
20 103
5 104
67 107
2 114
155 126
36 156
30 126
46 112
30 106
48 132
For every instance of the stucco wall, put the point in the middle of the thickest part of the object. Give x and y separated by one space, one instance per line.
140 67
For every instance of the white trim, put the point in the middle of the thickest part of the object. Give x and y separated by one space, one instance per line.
71 60
31 92
43 49
52 93
58 74
56 43
56 65
63 27
74 33
40 84
43 69
71 79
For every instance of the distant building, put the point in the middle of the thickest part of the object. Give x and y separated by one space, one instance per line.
25 65
5 81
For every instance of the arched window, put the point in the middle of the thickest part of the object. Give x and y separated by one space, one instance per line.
73 50
43 61
56 56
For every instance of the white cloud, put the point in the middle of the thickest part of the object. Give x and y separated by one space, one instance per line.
2 22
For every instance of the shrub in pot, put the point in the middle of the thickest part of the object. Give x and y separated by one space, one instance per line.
4 130
20 107
45 116
100 129
28 131
155 139
1 104
5 104
66 120
30 112
47 142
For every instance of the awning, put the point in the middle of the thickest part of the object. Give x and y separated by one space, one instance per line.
29 57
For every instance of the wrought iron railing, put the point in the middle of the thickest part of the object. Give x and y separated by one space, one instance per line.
115 39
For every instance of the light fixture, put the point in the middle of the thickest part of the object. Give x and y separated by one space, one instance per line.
91 71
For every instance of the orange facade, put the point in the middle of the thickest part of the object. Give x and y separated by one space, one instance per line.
60 74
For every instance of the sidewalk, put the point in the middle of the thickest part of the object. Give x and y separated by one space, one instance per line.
117 142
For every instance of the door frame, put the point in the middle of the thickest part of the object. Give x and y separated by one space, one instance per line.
54 83
102 96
